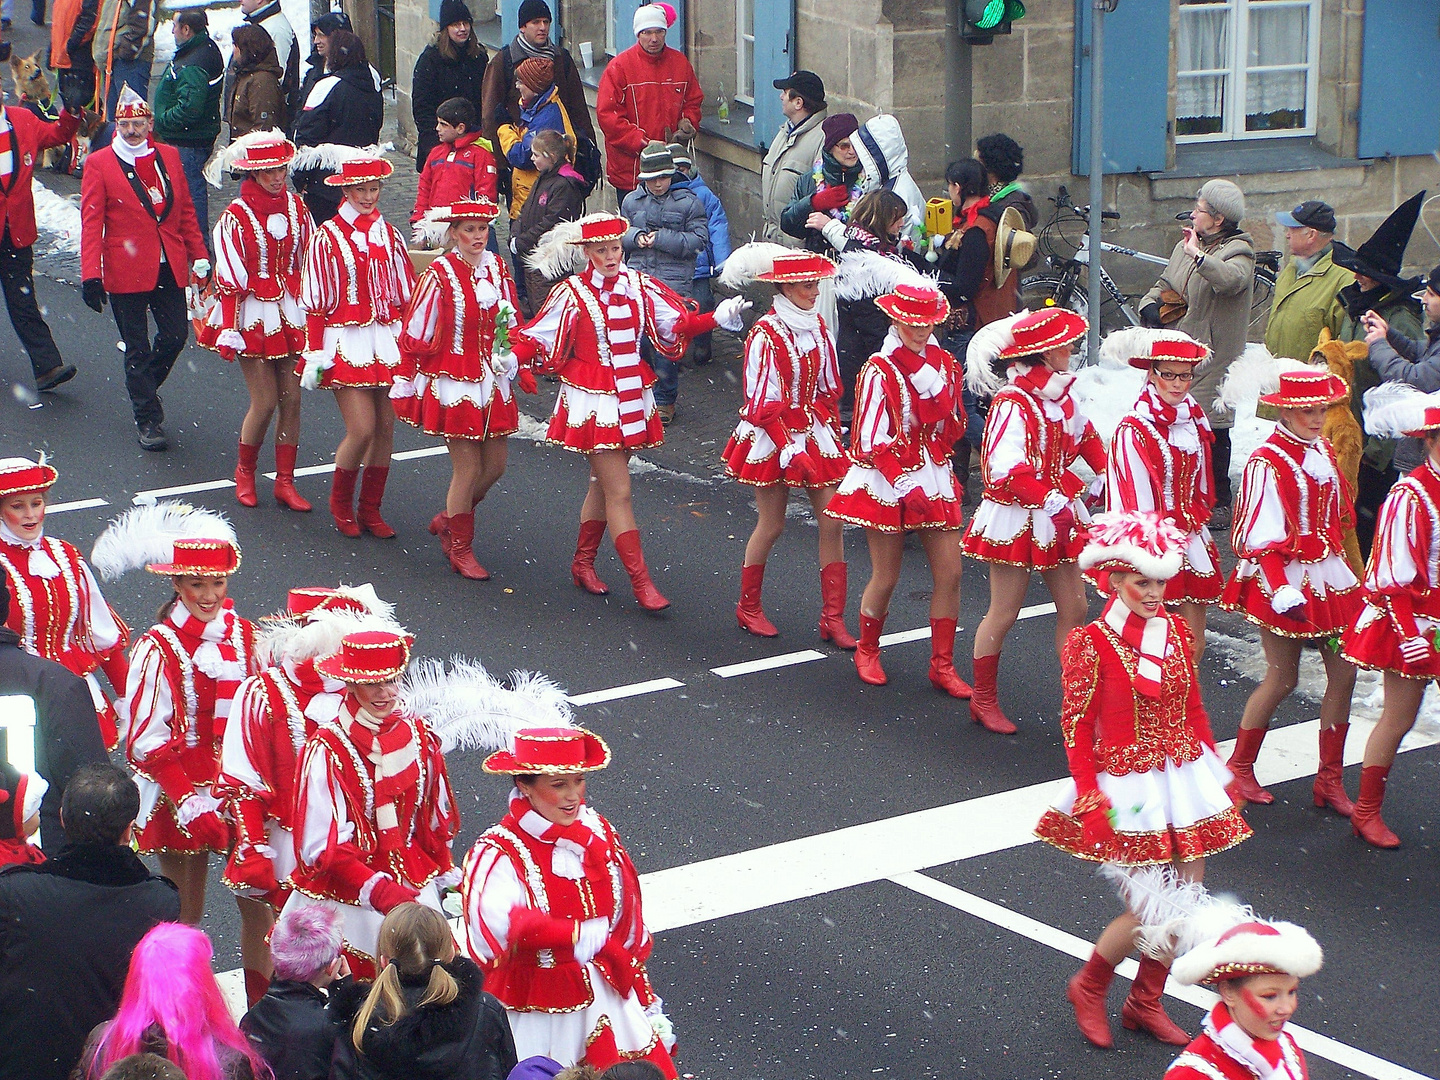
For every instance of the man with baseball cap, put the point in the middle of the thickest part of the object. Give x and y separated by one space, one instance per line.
1305 292
793 150
1398 358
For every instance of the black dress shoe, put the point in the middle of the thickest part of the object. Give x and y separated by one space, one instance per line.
61 373
152 437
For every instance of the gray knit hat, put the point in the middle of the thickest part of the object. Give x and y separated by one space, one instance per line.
655 162
1225 198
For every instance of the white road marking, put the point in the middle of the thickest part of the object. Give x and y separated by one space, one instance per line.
920 633
81 504
1036 610
1311 1042
182 489
769 663
614 693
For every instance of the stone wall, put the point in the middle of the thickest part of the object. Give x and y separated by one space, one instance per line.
414 29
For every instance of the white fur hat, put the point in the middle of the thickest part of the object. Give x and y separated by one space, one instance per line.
1136 541
1253 947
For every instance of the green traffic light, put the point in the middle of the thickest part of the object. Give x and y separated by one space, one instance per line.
992 15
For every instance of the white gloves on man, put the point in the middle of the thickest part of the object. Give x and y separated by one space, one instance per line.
728 312
1416 649
200 268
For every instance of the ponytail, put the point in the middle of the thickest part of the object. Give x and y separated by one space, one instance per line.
442 990
167 607
412 938
384 998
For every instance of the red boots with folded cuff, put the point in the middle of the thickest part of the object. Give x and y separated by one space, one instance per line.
1142 1010
348 520
285 493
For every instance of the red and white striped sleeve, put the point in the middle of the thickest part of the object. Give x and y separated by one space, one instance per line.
320 279
1261 524
232 274
763 386
1395 562
1131 483
873 428
490 888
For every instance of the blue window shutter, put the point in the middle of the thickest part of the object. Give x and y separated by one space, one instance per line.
1399 95
1137 76
774 59
435 10
509 18
624 21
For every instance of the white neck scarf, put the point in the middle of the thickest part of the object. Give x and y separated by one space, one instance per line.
795 318
126 154
41 564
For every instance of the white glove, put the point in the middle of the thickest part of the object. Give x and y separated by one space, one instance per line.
505 364
1286 598
906 483
834 233
591 939
1097 487
200 268
316 364
1416 649
728 312
194 805
1054 503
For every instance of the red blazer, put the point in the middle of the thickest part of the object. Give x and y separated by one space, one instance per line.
28 136
119 238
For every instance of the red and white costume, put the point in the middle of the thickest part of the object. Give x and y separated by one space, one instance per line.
1223 1051
447 340
792 397
907 416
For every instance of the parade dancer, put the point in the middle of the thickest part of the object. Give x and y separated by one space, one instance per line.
1031 515
553 913
1160 461
588 333
374 812
789 431
58 609
1147 785
1395 632
260 243
907 416
454 340
1292 579
355 285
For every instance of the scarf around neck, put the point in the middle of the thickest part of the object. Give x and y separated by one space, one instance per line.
126 154
370 233
41 564
391 748
795 318
579 850
273 210
213 652
1044 382
539 52
1267 1059
1148 637
934 396
1183 425
623 324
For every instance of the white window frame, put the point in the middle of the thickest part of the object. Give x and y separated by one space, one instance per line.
1233 129
610 46
745 50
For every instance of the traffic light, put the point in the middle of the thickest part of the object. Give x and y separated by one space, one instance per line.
986 18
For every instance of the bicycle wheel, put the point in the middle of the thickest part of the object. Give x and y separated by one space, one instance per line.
1260 298
1046 291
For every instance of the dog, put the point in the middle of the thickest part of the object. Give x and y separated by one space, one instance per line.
32 86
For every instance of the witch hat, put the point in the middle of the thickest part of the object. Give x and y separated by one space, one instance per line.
1380 257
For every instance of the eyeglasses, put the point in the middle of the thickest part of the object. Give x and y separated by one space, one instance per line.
1176 376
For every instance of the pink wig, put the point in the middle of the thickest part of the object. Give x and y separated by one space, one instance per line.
305 942
170 984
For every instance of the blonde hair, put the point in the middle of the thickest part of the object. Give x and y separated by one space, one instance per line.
559 145
413 939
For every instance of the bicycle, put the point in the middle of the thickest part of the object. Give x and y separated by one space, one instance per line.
1064 244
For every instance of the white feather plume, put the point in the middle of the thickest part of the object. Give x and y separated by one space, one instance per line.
1175 914
982 356
558 254
332 155
469 709
431 230
221 161
1120 345
316 635
1253 373
868 273
147 534
747 262
1393 408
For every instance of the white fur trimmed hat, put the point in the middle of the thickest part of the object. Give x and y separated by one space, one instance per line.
1253 947
1137 541
652 17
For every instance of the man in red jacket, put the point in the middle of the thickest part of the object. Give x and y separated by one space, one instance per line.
648 93
140 243
23 136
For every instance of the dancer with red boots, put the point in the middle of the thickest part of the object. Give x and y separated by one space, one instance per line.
1147 786
1292 579
1031 515
454 339
58 609
260 243
789 431
907 417
1160 461
355 285
588 333
1395 632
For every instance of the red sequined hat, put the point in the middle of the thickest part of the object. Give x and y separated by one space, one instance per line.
304 600
1307 388
360 171
204 557
800 266
1137 541
915 305
21 475
368 656
479 209
1146 347
551 751
1042 330
258 151
598 228
130 105
1428 426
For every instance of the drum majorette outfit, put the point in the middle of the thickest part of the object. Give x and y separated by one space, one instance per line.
58 609
260 243
554 918
374 812
20 797
1160 460
184 677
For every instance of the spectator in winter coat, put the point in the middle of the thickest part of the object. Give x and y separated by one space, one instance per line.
123 49
714 254
1307 286
257 98
320 30
648 93
559 195
453 66
885 161
829 188
266 14
72 27
540 110
668 230
343 108
71 923
289 1026
1401 359
460 166
1004 161
793 151
187 104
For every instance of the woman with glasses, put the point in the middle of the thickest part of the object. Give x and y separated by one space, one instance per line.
1161 461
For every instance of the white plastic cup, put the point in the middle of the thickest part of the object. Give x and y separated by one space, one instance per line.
587 54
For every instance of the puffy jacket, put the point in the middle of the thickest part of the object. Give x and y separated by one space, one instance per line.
791 156
436 81
343 107
681 230
1403 359
643 98
257 96
187 98
544 112
557 196
130 24
501 104
454 171
72 28
886 162
1304 303
793 219
714 254
291 1030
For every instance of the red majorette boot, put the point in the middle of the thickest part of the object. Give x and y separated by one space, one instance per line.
985 697
748 613
1143 1011
342 501
285 493
582 567
1329 787
372 491
833 587
627 546
1242 765
867 651
1086 991
1366 819
440 527
245 474
462 557
943 675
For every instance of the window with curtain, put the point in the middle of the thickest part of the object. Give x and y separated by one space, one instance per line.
1246 68
745 51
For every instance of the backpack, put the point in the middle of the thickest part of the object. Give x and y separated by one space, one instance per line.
587 161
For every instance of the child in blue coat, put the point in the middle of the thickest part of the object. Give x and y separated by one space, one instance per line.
712 257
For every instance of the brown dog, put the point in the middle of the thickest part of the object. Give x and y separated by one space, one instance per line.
1341 429
33 88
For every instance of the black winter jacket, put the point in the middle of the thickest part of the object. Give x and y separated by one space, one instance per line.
794 216
291 1031
468 1039
67 928
348 111
436 80
557 196
67 735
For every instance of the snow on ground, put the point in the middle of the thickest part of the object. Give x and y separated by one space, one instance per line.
223 19
58 220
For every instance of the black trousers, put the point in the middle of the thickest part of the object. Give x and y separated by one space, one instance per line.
148 365
18 279
1220 459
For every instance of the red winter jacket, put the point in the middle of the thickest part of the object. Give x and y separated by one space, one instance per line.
454 171
28 135
643 98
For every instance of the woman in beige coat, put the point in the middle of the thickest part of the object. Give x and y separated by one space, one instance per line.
257 102
1205 292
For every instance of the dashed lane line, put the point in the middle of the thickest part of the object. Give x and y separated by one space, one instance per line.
615 693
79 504
768 663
